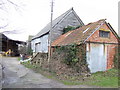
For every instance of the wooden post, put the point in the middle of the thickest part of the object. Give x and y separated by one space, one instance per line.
49 40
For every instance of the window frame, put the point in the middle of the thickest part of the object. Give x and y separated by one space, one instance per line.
102 34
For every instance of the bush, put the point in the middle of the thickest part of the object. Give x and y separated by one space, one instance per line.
74 56
70 53
69 28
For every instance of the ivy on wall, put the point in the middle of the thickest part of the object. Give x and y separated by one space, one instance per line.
70 53
74 56
69 28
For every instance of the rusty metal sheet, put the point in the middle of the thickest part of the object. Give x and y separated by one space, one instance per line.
96 57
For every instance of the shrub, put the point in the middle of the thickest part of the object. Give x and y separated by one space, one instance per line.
74 56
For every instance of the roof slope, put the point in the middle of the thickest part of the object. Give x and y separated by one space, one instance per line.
79 35
4 37
55 22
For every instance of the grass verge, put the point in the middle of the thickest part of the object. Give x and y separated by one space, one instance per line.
101 79
104 79
18 58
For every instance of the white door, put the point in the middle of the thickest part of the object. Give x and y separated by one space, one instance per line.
96 57
37 47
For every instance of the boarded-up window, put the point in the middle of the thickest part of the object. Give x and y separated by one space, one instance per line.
105 34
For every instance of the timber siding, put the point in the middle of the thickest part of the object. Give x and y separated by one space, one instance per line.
43 44
6 44
69 18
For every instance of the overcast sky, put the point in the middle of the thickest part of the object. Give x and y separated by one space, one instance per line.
34 15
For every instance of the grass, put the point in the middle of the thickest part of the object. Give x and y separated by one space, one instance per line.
105 82
28 65
18 58
38 69
101 79
66 82
104 79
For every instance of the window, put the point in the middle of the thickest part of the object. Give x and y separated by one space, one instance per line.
105 34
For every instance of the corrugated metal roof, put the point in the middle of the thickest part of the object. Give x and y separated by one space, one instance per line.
79 35
56 22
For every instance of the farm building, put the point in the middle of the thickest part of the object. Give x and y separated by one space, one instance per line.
6 44
99 41
39 42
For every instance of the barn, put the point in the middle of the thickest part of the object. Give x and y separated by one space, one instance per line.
99 40
39 42
7 43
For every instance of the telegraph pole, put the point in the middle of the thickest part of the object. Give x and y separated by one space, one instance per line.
50 34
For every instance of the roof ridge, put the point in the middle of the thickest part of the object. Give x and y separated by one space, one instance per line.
79 35
96 21
55 22
64 14
96 28
77 17
71 9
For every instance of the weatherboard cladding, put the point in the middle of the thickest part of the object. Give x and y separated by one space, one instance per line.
79 35
59 23
43 47
70 20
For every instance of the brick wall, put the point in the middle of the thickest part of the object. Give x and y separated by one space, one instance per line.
110 47
110 55
95 37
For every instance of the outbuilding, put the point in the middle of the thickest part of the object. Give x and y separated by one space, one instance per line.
39 42
100 42
7 44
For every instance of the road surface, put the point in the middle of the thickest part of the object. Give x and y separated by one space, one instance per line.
15 75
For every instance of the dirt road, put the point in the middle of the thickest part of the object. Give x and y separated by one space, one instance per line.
15 75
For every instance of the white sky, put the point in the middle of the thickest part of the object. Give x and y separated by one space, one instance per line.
35 14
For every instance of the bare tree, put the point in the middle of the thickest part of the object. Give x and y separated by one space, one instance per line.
13 3
5 6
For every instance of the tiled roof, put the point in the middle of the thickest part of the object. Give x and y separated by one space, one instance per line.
55 22
79 35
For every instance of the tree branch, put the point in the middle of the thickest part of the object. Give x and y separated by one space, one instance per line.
1 27
12 3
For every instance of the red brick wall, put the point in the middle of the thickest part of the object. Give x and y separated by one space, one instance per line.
95 37
110 47
110 55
